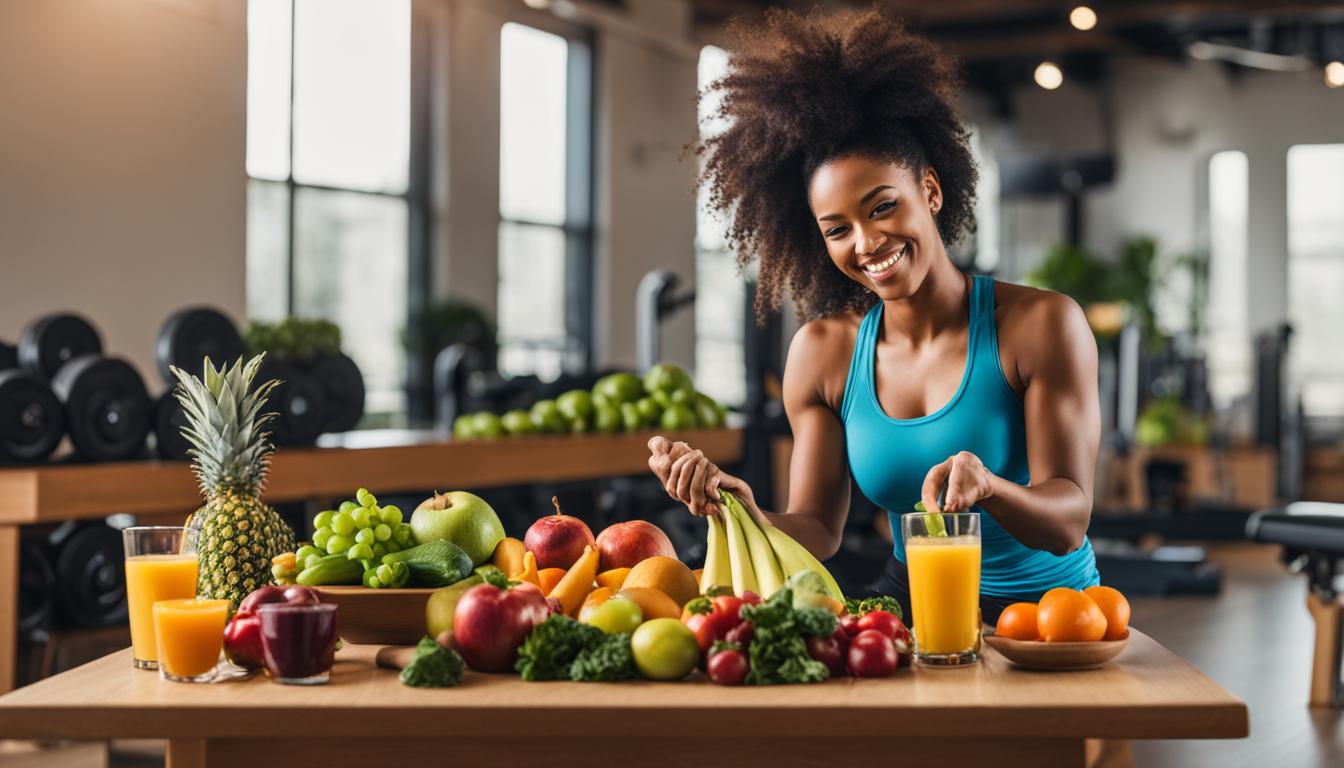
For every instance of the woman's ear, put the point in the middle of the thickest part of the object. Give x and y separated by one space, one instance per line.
933 190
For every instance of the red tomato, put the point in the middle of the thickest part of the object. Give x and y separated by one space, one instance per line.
728 667
729 606
850 624
741 634
828 651
888 624
872 654
751 598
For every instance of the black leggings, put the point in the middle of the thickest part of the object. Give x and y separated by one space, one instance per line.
895 581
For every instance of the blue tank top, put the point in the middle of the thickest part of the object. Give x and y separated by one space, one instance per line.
889 458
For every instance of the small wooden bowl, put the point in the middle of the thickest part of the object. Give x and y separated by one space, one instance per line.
379 616
1035 654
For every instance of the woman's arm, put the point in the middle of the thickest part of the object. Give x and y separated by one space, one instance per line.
818 473
1056 357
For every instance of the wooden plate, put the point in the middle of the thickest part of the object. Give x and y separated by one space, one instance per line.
1035 654
379 616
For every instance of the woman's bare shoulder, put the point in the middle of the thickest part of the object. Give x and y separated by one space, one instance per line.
819 357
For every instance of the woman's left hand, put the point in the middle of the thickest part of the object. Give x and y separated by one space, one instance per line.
968 482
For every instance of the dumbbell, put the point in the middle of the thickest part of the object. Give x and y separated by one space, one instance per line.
37 588
185 340
106 407
90 578
32 421
299 403
343 385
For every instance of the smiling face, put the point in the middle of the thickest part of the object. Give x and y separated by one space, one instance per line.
877 218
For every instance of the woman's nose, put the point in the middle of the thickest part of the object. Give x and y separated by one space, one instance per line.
868 241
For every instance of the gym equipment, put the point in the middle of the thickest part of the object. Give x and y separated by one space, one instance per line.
37 588
299 402
32 421
9 357
655 299
1312 536
169 420
190 335
107 409
343 385
51 341
90 577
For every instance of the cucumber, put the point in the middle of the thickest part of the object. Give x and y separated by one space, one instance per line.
332 569
434 563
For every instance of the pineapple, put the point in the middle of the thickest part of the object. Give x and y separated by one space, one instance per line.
238 533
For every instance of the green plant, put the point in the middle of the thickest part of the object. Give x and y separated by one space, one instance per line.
294 338
442 323
1130 278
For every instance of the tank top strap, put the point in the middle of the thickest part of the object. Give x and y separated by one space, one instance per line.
982 312
861 362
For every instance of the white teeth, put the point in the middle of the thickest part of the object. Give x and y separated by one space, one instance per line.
883 266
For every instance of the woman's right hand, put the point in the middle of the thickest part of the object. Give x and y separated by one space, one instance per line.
691 478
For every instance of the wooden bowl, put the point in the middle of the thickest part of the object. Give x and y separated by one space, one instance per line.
1036 654
379 616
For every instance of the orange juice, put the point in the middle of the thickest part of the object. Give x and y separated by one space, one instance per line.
150 578
944 592
190 635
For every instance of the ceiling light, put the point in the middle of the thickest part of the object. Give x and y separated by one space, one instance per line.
1334 74
1048 76
1083 18
540 5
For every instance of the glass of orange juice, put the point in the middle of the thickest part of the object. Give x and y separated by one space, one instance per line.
190 635
942 553
160 565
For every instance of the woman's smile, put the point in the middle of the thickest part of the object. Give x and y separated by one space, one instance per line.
885 267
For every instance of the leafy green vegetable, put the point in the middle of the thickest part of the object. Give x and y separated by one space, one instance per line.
607 661
433 666
553 645
778 651
859 607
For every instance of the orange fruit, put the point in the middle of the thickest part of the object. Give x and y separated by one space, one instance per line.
1114 607
613 578
654 603
1018 621
1067 616
547 578
667 575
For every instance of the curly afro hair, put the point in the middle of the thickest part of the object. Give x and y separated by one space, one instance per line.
806 88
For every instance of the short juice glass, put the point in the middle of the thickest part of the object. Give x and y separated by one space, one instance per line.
190 636
160 565
298 642
942 553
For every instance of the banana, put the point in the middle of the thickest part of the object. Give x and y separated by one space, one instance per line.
794 557
739 557
718 572
763 561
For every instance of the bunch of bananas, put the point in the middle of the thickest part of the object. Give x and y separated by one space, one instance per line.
752 557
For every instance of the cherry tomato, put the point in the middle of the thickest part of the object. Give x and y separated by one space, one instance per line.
741 634
728 667
828 651
751 598
850 624
888 624
872 654
728 606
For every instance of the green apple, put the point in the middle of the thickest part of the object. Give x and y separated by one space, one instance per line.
464 426
619 387
682 396
630 418
517 422
678 416
580 427
575 404
607 419
667 377
487 425
461 518
664 649
546 418
443 602
662 397
615 615
649 410
707 412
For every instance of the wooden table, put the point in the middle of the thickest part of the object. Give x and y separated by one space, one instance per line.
385 461
989 713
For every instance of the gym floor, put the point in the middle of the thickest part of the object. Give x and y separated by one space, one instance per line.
1254 639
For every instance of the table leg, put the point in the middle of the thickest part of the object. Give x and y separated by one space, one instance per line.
1325 665
9 604
191 753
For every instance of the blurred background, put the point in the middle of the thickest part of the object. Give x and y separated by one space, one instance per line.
484 203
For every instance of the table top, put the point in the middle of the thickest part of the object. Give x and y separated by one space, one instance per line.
386 461
1146 693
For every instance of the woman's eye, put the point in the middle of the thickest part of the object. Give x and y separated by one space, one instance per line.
833 231
884 207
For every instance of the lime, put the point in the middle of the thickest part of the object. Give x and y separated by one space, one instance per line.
678 416
575 404
619 387
607 419
707 411
464 427
667 377
630 418
487 425
546 418
517 422
649 411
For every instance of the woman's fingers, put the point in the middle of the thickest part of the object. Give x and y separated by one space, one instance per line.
687 475
933 483
698 477
659 445
959 488
674 477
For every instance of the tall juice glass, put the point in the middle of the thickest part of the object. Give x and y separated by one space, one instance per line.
190 636
942 553
160 565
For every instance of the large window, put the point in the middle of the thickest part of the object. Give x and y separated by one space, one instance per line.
329 197
1316 275
720 362
1229 344
545 291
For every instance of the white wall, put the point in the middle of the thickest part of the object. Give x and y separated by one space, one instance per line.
122 185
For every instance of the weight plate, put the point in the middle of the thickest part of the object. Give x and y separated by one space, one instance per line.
344 387
299 403
9 357
189 336
91 577
51 341
37 587
169 420
32 421
107 410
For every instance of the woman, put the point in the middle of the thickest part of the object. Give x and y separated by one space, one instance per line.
846 169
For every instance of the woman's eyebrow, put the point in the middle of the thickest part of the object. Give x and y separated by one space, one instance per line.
864 201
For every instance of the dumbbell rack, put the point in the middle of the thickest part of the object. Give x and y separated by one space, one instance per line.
388 461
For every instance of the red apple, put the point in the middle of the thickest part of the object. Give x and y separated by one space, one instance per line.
242 635
623 545
490 623
557 541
